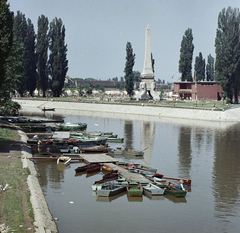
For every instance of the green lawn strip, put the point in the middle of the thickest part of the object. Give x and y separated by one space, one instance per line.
184 104
13 174
7 135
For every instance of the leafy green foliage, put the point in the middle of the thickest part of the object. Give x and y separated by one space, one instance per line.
99 87
6 37
20 40
42 53
199 67
7 107
130 57
31 58
136 76
210 72
58 63
186 54
227 49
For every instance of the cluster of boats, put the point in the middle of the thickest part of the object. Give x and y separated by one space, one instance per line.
113 183
77 140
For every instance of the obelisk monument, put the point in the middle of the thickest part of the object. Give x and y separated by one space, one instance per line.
148 85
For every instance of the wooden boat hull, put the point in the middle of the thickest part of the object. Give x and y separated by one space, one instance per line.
93 169
64 160
85 167
48 109
126 151
143 167
110 190
106 168
115 140
153 190
143 172
184 181
176 193
134 190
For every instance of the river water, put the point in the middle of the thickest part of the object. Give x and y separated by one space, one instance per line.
205 152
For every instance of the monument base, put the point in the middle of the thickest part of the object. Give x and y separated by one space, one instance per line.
145 93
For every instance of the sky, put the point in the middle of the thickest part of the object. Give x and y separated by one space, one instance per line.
97 32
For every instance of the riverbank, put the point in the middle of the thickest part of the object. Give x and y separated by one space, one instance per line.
19 176
111 109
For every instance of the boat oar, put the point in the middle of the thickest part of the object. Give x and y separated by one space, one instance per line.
145 149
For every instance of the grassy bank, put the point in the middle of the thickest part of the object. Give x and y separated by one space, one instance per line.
203 104
16 209
14 175
7 135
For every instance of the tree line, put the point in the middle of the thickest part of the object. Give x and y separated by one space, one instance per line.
226 70
29 60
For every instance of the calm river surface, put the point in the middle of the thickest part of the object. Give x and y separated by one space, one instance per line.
208 153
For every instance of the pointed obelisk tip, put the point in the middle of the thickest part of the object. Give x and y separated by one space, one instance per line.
148 27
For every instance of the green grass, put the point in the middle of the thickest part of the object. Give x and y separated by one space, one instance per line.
182 104
14 175
7 135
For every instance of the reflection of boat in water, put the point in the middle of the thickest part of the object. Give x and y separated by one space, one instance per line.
135 199
176 199
61 166
110 190
154 197
110 198
89 174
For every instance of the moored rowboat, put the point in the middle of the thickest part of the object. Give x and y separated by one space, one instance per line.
64 160
134 189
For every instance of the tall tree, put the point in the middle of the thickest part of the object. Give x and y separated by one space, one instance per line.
58 63
128 70
199 67
6 40
136 76
210 72
6 36
186 55
227 49
31 58
42 53
20 40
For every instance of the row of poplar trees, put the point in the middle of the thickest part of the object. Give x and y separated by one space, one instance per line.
226 70
31 67
202 71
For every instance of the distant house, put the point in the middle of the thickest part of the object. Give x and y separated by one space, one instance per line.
69 81
208 90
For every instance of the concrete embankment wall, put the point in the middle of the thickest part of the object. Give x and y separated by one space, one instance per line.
43 219
232 115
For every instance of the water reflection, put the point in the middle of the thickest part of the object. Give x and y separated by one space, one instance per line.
128 134
109 199
184 152
147 132
225 175
49 174
206 152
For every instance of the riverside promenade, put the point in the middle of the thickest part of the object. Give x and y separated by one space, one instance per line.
114 110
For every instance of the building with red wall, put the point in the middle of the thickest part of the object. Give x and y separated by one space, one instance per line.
207 90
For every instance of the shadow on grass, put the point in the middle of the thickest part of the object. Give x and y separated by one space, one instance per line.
9 138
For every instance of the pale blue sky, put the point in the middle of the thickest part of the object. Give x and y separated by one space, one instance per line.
97 31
